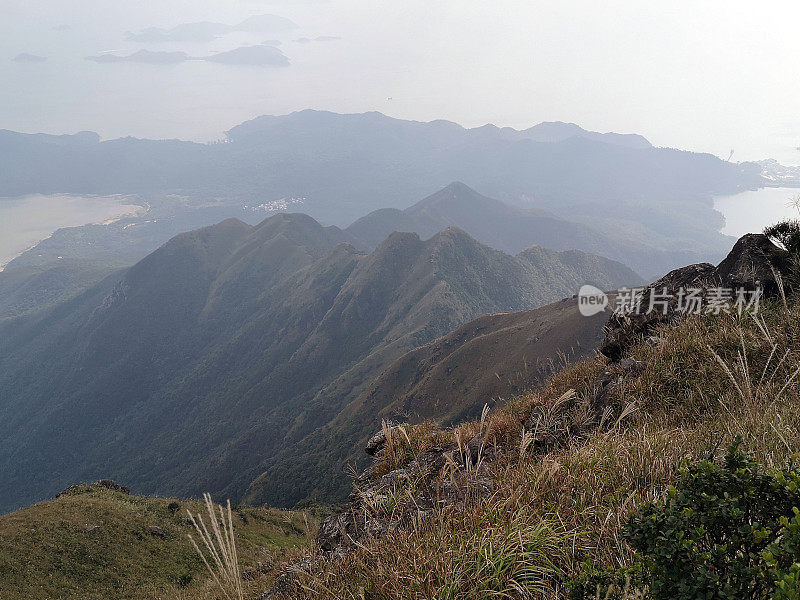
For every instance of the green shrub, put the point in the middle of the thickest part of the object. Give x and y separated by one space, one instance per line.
783 559
722 533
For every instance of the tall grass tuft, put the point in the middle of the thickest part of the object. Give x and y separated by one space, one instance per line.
220 548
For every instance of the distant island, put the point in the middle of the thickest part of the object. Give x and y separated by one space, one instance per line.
188 32
142 56
319 38
29 58
251 55
261 55
206 31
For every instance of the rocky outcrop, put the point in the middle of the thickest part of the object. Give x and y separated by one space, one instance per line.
753 261
437 478
102 483
373 508
752 264
571 418
375 443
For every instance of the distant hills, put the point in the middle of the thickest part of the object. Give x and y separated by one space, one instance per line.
503 226
202 365
559 131
655 203
73 259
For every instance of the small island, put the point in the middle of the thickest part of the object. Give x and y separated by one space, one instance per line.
251 55
261 55
142 56
29 58
206 31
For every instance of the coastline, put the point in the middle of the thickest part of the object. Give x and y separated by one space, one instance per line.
749 211
131 207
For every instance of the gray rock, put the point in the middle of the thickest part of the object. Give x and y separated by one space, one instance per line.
751 264
156 531
286 583
375 443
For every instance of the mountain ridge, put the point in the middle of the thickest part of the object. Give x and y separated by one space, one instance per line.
184 372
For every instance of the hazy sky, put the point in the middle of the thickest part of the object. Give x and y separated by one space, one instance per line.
701 75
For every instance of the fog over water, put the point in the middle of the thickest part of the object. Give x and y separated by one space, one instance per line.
729 79
751 211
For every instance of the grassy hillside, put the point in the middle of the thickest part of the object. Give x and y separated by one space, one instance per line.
488 360
94 542
231 343
561 490
491 359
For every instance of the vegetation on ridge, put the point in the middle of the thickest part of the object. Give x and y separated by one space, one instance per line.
93 542
705 382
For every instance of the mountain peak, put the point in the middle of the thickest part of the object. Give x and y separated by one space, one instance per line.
453 234
459 187
559 131
458 196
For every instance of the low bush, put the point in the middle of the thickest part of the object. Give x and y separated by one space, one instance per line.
725 532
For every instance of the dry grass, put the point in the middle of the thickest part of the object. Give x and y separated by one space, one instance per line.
219 544
492 547
405 442
627 592
712 378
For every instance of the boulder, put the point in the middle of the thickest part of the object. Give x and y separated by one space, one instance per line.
751 264
156 531
375 443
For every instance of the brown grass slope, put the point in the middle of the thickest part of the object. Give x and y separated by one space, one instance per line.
487 360
559 491
492 358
